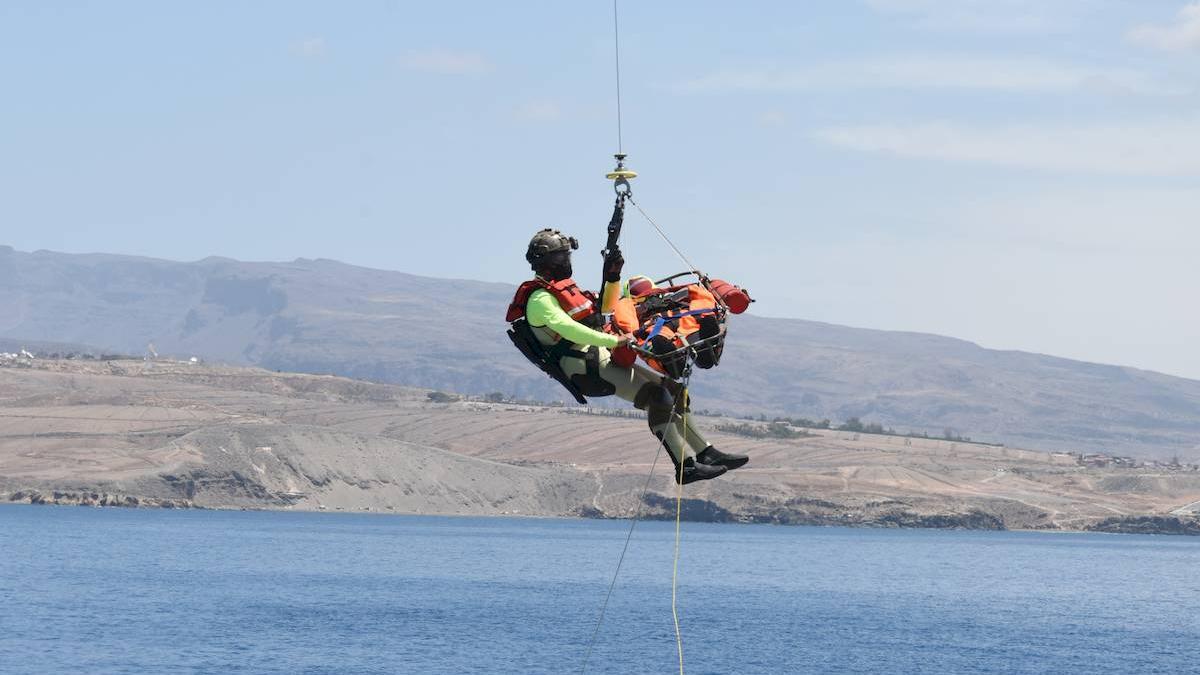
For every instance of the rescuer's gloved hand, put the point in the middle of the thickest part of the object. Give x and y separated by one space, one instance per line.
614 262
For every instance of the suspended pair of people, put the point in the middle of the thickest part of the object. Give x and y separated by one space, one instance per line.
562 330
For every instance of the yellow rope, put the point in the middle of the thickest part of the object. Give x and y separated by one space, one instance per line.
678 512
629 535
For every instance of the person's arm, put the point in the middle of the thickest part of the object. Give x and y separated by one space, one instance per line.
544 310
610 294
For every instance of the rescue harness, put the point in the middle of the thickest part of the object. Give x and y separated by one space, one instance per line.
580 305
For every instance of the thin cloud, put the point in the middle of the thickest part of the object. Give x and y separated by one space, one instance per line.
983 16
1087 218
1182 35
446 62
539 111
312 47
935 72
772 118
1149 149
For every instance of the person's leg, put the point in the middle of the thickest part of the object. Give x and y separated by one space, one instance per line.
664 420
710 341
645 389
692 435
706 453
667 346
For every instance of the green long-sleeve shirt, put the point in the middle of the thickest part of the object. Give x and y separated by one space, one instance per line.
543 310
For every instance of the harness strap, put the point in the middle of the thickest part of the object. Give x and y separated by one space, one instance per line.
663 319
592 361
564 348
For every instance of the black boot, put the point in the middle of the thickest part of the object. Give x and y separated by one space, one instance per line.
672 359
714 457
693 472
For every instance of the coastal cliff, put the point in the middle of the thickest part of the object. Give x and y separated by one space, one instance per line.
140 433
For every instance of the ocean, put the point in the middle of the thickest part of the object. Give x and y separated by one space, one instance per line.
162 591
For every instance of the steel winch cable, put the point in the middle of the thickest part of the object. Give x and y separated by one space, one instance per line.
664 236
617 59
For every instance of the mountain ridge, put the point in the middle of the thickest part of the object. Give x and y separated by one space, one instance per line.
327 317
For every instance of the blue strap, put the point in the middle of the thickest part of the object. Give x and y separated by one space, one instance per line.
662 320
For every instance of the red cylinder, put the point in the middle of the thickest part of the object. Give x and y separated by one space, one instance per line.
736 298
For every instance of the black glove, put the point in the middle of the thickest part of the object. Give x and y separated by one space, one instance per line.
613 264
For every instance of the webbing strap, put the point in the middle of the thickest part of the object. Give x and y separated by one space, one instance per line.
564 348
664 318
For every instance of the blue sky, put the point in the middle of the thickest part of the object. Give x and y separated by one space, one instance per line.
1020 173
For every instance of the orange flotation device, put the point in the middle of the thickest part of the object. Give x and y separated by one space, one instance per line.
577 303
669 320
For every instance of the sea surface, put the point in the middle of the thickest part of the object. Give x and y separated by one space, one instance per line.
160 591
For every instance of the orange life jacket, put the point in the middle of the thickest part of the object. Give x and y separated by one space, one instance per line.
698 299
577 303
627 314
628 317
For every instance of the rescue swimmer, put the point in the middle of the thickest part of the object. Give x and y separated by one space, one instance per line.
561 329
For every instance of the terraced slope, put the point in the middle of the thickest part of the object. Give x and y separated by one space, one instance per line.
321 316
158 433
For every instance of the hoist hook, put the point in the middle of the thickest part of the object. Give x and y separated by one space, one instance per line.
620 177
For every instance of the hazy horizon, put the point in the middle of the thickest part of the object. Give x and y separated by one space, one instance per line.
753 310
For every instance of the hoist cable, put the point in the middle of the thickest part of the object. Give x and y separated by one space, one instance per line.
679 409
617 55
664 236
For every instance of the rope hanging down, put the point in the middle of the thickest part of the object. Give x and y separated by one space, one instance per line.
637 514
681 404
621 176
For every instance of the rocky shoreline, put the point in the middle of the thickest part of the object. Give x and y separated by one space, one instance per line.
98 499
662 508
164 435
1149 525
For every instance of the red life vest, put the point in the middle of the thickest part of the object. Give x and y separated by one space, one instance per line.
578 304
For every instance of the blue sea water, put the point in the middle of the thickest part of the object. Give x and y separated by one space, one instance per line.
156 591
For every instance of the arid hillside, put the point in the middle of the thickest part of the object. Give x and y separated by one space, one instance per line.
178 434
325 317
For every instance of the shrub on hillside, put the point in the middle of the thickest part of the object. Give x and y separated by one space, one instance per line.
772 430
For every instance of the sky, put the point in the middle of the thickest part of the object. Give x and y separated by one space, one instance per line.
1018 173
